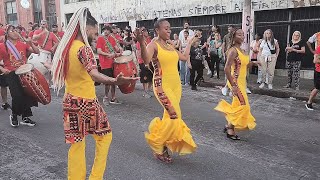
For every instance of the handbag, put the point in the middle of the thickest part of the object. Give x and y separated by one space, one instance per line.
273 51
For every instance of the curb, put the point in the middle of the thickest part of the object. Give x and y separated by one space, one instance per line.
279 93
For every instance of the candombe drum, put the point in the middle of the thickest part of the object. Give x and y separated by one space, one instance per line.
34 83
37 59
125 65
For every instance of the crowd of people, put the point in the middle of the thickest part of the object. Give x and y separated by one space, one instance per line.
165 65
211 51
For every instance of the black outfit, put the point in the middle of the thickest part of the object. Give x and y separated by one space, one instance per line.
108 72
254 69
145 73
21 102
294 64
197 66
317 80
215 62
3 82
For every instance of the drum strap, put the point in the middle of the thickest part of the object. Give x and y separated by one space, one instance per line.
57 37
12 48
46 40
109 46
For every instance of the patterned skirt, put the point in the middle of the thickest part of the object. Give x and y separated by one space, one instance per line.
82 117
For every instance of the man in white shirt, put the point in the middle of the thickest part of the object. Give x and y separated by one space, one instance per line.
185 28
184 70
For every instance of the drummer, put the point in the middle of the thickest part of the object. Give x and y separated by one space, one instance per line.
14 54
47 42
146 74
107 49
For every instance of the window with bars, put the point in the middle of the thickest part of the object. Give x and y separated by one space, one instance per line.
37 11
11 10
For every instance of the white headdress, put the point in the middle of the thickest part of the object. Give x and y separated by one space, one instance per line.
61 57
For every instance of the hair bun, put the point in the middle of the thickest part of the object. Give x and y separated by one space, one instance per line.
155 20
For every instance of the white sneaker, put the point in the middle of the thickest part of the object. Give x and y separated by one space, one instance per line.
105 101
209 72
224 91
270 86
248 91
261 85
259 81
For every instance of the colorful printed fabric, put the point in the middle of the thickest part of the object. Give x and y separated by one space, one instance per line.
82 117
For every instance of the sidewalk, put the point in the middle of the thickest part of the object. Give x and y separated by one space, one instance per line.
306 85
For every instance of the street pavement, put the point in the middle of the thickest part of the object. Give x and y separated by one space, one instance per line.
284 145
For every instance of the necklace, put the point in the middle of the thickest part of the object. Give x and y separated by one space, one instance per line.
166 46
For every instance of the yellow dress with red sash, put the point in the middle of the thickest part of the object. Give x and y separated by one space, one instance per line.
166 132
238 113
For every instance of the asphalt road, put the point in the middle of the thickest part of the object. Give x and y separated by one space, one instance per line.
284 145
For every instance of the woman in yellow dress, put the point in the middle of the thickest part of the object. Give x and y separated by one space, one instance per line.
238 113
170 132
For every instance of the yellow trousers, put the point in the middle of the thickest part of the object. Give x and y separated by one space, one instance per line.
77 159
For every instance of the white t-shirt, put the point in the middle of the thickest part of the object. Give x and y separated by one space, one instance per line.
313 39
265 49
181 34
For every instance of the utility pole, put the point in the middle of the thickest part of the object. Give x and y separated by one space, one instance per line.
247 25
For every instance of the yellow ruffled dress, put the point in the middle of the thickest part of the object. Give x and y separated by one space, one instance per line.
170 131
238 113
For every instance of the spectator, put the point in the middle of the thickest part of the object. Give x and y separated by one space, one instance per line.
184 70
215 54
195 64
254 51
203 45
185 28
225 46
177 45
295 50
207 63
269 50
146 70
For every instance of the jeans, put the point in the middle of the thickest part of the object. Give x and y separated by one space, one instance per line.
184 73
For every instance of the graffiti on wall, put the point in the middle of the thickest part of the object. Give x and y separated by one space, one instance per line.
139 11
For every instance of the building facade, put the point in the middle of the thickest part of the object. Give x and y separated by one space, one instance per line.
21 12
282 16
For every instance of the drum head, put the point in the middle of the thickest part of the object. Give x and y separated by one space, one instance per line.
24 69
126 53
123 59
